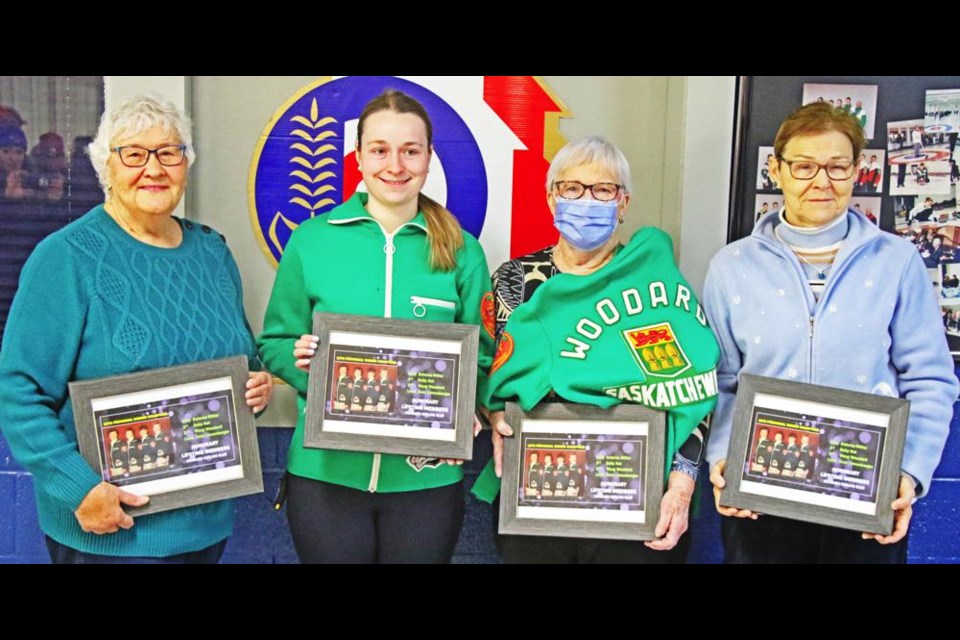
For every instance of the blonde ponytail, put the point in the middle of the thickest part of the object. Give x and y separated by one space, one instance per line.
444 233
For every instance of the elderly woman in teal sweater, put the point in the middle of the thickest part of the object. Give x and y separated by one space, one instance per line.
127 287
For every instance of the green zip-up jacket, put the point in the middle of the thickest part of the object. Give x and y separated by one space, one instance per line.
344 262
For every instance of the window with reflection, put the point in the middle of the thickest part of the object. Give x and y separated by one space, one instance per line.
46 178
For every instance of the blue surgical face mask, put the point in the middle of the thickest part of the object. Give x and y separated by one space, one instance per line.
585 224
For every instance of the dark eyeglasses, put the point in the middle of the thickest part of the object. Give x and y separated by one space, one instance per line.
808 170
133 156
573 190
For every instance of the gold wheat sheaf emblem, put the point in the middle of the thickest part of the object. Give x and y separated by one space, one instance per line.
309 168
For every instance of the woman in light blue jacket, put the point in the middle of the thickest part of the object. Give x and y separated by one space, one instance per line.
818 294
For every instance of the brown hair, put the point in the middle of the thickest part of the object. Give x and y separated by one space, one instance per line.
443 229
816 118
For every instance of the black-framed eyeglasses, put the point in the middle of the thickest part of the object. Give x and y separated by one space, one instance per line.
808 169
135 157
573 190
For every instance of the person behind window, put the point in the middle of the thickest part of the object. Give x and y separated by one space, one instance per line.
84 186
10 117
13 151
48 167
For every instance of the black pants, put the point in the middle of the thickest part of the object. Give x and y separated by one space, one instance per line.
332 524
773 540
62 554
550 550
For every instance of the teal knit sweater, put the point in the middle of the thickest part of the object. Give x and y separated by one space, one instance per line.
93 301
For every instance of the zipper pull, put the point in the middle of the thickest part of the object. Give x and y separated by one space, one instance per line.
374 474
811 326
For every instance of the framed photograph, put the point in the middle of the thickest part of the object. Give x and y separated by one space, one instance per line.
910 143
180 435
942 111
392 386
764 180
766 203
815 453
869 207
580 471
868 179
860 100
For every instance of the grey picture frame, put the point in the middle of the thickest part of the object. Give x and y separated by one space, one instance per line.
577 414
84 393
897 411
374 329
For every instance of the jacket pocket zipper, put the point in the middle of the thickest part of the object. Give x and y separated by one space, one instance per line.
420 305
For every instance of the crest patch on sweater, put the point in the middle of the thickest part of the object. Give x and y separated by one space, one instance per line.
657 350
504 351
488 314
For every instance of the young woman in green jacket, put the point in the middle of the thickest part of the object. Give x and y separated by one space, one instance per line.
417 264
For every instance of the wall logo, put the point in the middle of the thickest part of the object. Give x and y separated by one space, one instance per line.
494 137
656 350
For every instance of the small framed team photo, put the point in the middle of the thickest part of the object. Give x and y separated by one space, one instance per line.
581 471
816 454
181 435
392 386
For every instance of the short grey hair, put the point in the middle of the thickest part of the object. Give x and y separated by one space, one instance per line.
132 117
588 150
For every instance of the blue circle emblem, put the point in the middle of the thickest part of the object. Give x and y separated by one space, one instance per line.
298 169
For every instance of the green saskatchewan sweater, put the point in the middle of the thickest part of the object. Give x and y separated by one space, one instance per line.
632 331
344 262
93 301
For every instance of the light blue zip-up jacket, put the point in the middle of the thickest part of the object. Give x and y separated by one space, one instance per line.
876 329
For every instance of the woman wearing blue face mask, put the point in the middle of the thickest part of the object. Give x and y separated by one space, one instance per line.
588 190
